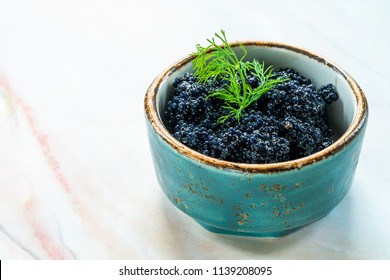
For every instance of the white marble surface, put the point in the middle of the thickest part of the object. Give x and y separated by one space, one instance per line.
76 177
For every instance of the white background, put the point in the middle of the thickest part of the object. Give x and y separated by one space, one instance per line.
76 177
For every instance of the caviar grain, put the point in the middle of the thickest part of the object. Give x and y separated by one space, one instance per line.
286 123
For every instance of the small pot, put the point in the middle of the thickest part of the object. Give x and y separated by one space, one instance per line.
263 200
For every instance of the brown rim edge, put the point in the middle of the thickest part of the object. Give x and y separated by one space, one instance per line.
351 133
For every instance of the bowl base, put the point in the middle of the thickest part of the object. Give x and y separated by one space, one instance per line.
274 234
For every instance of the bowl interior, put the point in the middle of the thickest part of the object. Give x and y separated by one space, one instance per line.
341 113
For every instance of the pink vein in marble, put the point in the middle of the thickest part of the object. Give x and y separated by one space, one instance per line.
47 242
40 136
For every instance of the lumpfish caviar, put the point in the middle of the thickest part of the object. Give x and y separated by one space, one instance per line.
286 123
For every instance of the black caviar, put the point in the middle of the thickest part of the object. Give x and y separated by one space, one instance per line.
286 123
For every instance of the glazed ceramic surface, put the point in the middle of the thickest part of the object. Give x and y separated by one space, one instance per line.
260 204
265 200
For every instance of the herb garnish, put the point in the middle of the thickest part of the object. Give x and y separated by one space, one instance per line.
221 62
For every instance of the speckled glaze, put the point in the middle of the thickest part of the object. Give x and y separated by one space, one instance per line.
263 200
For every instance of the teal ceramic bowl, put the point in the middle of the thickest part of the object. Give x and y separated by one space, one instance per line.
263 200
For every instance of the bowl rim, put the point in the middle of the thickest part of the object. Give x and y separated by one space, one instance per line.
348 136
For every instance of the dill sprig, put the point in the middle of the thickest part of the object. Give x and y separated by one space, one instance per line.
221 62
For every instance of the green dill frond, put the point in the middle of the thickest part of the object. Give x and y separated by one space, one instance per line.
221 62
